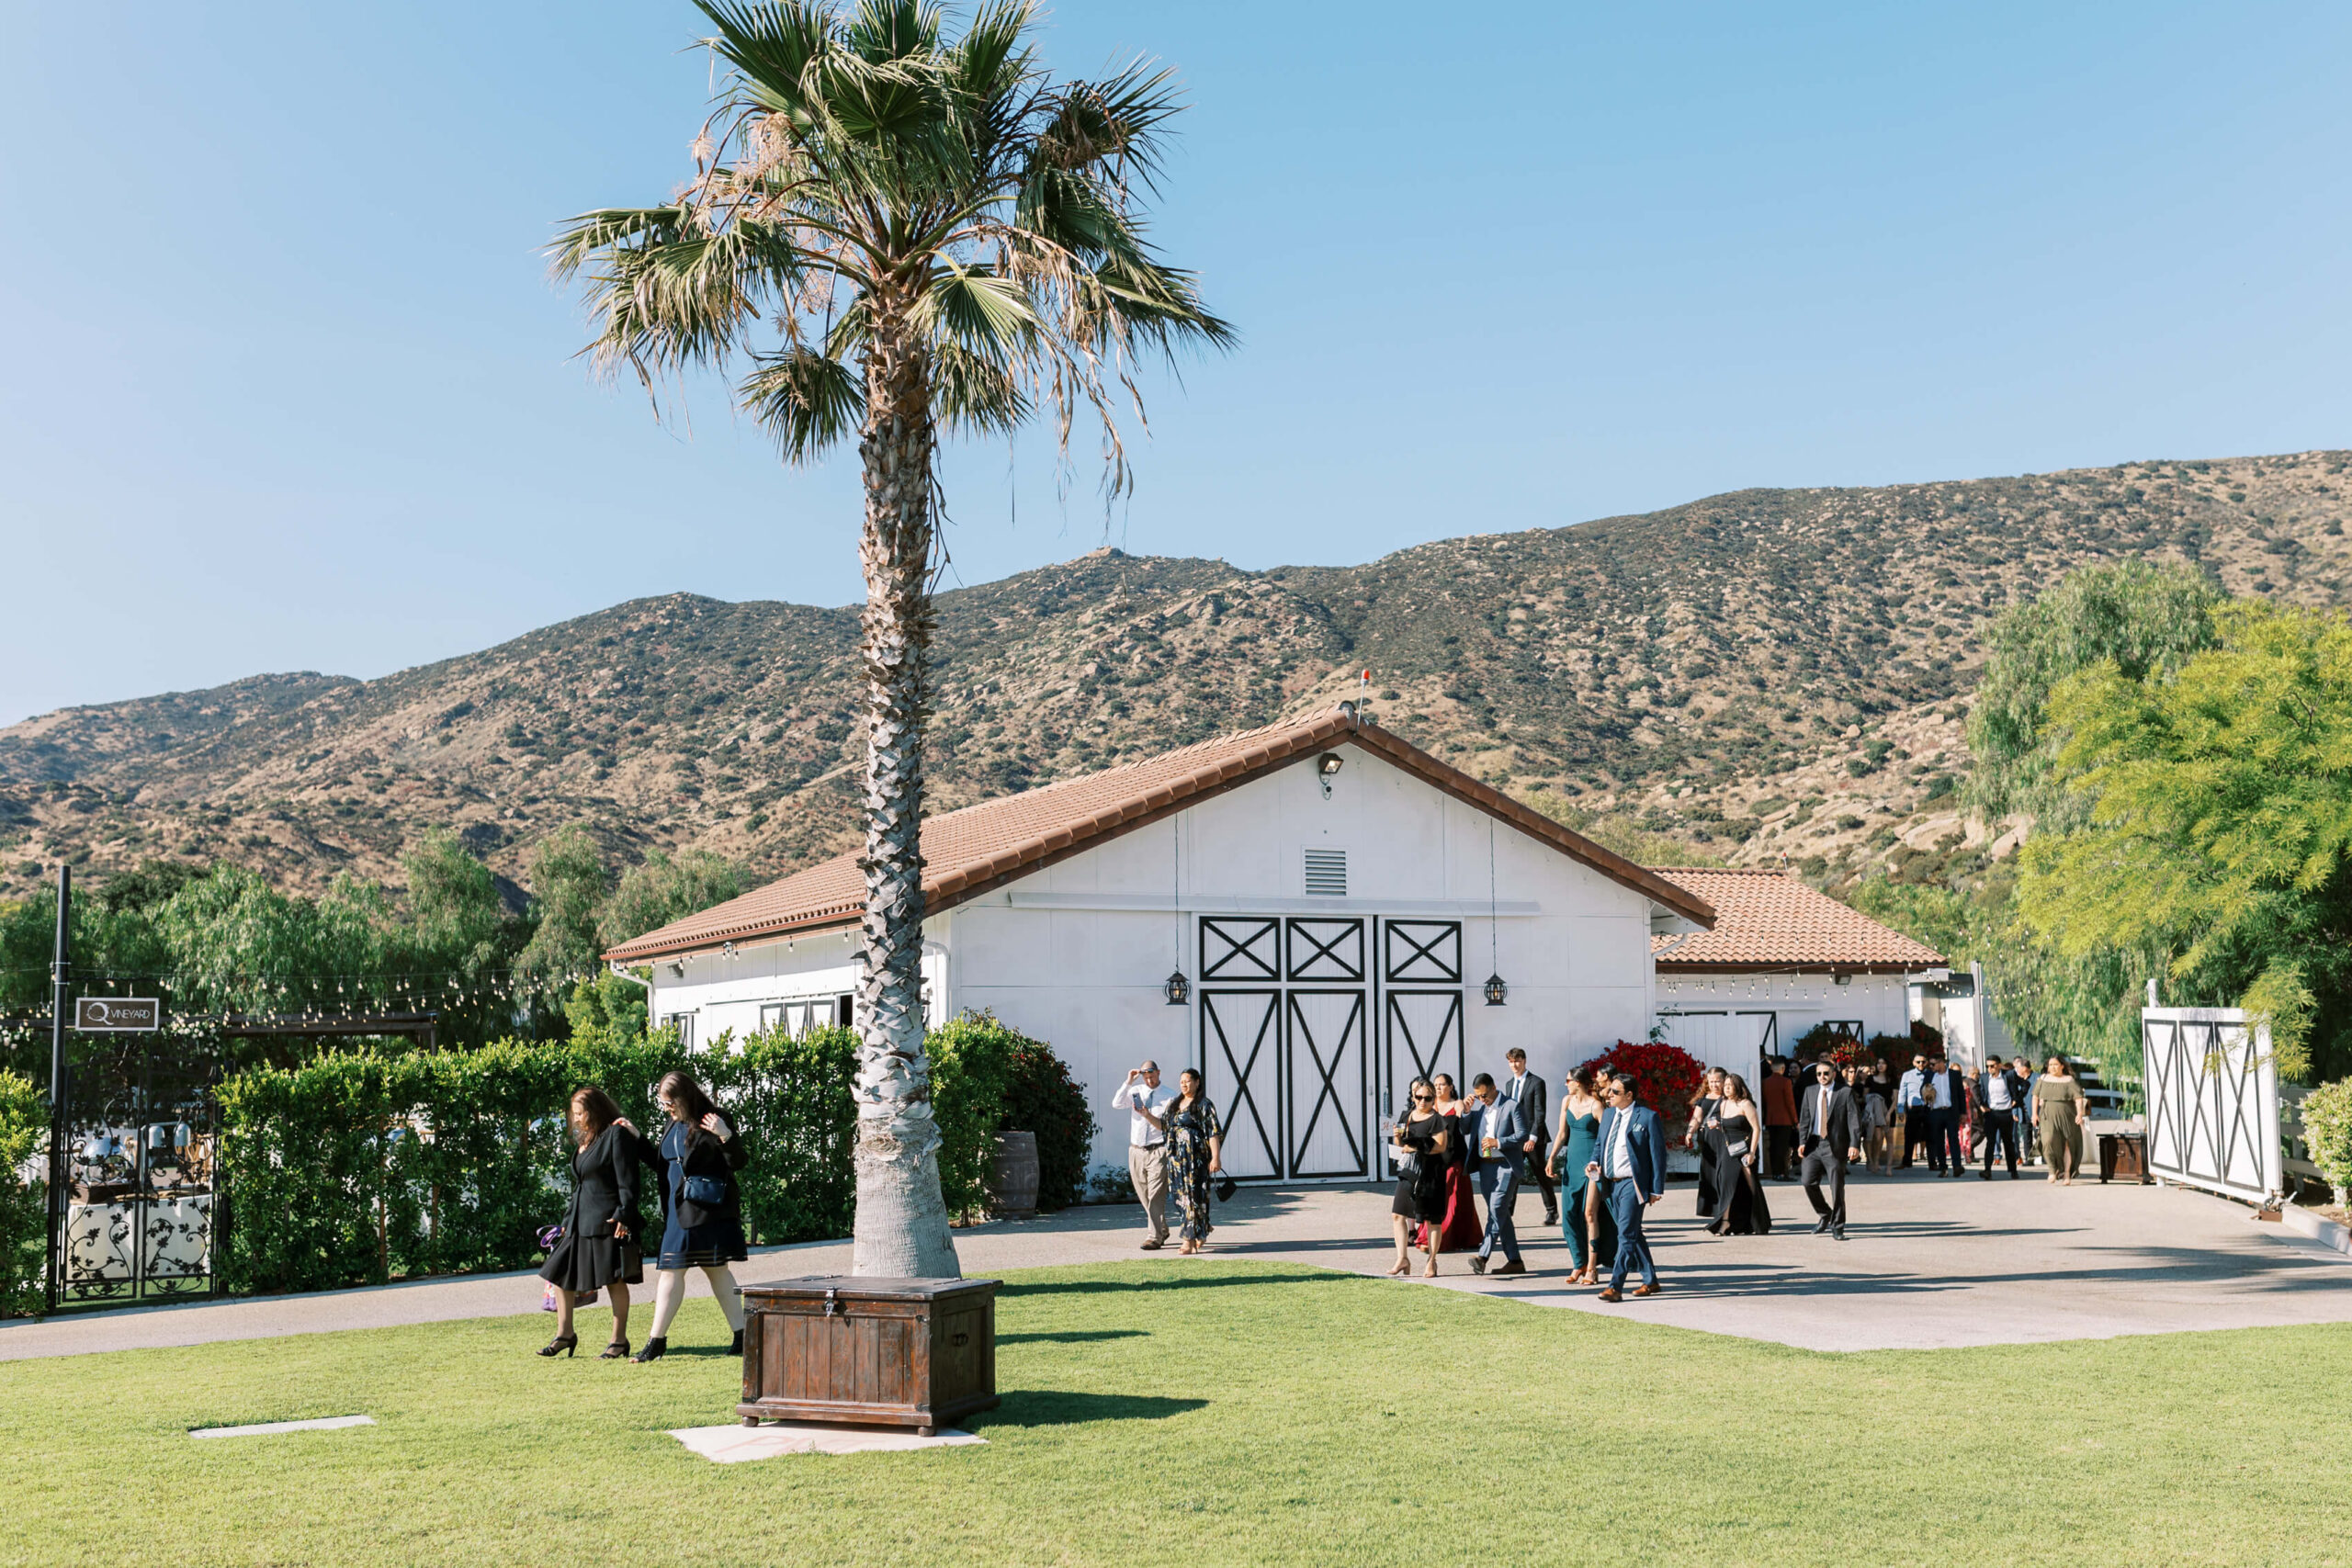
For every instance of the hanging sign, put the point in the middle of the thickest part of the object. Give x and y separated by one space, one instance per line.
115 1015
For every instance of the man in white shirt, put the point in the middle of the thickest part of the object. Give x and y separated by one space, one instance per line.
1146 1104
2000 1094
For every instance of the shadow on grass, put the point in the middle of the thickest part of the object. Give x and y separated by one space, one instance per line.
1073 1337
1168 1282
1066 1407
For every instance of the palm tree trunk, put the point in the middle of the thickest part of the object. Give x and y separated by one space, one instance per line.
902 1228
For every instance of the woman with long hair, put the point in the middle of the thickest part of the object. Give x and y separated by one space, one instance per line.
2060 1108
1706 1140
598 1249
1424 1138
1195 1153
1586 1223
1458 1229
1741 1208
702 1209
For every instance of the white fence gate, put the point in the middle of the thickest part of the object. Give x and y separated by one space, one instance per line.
2212 1093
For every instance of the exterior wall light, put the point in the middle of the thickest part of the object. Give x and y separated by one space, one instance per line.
1327 767
1495 990
1178 990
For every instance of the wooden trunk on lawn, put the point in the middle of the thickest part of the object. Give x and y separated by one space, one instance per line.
917 1353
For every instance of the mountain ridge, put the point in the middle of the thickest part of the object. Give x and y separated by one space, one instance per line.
1762 675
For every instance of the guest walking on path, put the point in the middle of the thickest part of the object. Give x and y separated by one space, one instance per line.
1195 1153
1879 1130
598 1249
1458 1230
1526 1091
1832 1131
2062 1108
2002 1093
1700 1136
1585 1222
1143 1099
1631 1169
702 1208
1425 1139
1496 1137
1780 1119
1741 1208
1911 1106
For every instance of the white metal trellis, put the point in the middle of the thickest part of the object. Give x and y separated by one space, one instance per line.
2212 1088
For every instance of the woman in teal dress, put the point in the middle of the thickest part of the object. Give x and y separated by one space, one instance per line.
1585 1221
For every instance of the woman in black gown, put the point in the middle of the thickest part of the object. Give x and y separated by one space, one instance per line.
598 1250
1706 1140
702 1209
1741 1206
1428 1139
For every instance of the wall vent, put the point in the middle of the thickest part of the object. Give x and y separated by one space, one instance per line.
1327 874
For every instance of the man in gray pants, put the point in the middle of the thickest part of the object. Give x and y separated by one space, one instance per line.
1146 1104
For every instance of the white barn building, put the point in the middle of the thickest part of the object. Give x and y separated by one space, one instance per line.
1780 958
1335 898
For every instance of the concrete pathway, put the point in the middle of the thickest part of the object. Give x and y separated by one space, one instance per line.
1928 1265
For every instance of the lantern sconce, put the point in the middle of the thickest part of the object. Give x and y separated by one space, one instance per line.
1327 767
1178 990
1495 990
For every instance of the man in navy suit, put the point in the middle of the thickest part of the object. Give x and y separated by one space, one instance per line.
1631 1169
1495 1133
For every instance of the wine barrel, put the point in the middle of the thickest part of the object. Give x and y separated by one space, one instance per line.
1012 1184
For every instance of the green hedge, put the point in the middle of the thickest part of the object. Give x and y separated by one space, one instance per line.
357 1167
2326 1115
24 1196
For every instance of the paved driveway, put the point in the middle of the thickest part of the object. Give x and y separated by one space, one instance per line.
1928 1265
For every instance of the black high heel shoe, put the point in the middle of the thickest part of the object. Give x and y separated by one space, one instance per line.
616 1351
737 1348
562 1345
654 1350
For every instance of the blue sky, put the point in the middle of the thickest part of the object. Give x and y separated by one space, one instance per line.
288 386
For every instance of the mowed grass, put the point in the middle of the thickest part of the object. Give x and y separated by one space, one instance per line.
1230 1413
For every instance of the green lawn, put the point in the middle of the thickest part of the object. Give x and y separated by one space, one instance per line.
1226 1412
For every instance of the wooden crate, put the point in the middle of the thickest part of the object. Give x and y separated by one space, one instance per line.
917 1353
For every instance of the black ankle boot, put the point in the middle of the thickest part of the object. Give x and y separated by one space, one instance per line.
737 1348
653 1348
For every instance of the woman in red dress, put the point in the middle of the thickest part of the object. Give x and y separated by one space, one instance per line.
1462 1230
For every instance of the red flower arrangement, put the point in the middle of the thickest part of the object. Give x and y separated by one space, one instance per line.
1666 1078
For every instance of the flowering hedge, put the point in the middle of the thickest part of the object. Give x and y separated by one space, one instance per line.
1666 1078
2327 1134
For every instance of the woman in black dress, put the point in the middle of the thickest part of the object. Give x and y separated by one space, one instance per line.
1705 1138
1428 1140
702 1209
1741 1207
598 1250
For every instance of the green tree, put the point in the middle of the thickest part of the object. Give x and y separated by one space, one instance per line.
943 237
663 889
2219 829
2144 616
568 888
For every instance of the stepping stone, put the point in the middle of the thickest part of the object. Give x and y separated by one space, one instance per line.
735 1444
324 1424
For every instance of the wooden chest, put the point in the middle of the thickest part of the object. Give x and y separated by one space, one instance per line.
917 1353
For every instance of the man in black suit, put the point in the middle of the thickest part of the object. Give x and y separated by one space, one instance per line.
1829 1130
1947 1103
2001 1093
1526 1090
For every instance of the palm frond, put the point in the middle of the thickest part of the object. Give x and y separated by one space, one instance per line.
808 401
976 396
886 30
977 312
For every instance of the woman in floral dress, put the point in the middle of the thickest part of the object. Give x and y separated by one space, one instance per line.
1195 1150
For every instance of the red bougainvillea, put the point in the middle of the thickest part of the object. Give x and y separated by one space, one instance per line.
1666 1078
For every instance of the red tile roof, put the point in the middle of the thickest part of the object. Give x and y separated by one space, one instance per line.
1771 920
981 847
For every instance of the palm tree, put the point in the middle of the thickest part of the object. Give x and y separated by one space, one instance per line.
888 234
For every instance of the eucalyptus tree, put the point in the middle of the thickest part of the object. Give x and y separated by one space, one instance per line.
892 235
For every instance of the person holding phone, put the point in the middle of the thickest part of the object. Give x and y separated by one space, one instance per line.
1146 1104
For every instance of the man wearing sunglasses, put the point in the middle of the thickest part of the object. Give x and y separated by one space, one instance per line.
1632 1173
1831 1128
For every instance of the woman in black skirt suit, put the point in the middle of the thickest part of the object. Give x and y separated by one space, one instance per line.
598 1250
1429 1139
700 1155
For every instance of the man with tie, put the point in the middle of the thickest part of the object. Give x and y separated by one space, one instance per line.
1831 1127
1526 1091
1947 1095
1496 1137
1632 1172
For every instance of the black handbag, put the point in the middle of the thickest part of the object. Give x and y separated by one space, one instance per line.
703 1191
